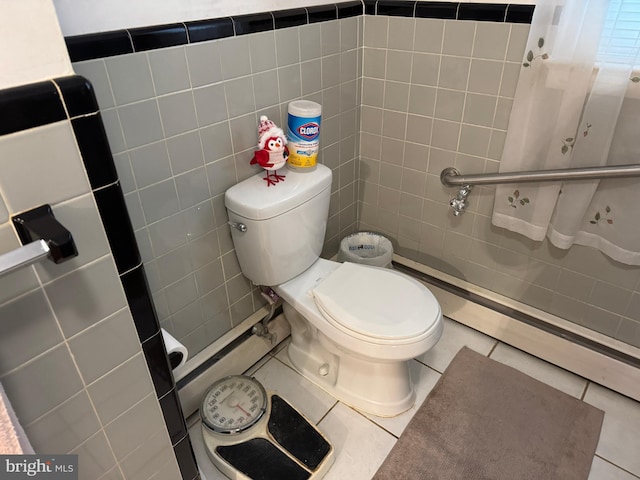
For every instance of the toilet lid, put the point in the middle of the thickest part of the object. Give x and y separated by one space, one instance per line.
376 302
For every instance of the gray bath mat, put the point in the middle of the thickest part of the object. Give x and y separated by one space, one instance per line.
485 420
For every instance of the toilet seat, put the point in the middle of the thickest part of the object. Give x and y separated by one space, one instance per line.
376 303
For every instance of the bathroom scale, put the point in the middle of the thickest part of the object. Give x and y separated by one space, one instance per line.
250 434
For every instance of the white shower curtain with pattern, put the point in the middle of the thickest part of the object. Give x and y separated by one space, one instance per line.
577 104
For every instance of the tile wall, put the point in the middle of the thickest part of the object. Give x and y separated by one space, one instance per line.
71 359
434 83
182 125
437 92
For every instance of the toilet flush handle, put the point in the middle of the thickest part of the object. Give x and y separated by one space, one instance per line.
239 226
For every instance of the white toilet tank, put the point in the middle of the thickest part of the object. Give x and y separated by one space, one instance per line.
285 223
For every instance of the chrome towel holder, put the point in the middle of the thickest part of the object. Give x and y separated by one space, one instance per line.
42 236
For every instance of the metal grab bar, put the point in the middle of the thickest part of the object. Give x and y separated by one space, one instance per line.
451 176
23 256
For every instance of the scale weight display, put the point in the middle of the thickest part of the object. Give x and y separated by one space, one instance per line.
250 434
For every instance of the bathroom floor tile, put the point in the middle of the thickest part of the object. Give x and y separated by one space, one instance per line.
279 378
554 376
454 337
424 379
619 440
603 470
362 441
360 446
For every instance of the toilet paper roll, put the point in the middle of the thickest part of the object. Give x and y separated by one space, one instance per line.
176 351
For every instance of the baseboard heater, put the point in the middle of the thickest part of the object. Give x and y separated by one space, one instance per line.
594 356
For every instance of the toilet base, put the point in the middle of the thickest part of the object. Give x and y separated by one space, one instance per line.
383 389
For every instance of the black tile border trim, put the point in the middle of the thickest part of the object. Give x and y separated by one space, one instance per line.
214 29
519 13
253 23
30 106
94 148
173 416
72 98
159 36
441 10
293 17
186 458
115 218
136 289
99 45
78 95
396 8
119 42
158 363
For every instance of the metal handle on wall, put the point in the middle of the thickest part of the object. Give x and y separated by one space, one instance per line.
42 236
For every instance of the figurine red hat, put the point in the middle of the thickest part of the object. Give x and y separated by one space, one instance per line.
268 129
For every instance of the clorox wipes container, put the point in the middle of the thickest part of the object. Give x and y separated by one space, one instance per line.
303 134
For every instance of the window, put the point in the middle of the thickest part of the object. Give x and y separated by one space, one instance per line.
620 40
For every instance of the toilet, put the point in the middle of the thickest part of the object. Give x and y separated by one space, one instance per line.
353 327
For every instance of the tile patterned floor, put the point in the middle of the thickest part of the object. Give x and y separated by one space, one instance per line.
362 442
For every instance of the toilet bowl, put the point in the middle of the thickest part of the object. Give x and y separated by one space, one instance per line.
353 327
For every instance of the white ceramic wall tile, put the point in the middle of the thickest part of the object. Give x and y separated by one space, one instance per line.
148 458
619 441
454 337
360 446
150 164
41 166
458 38
235 58
105 345
65 427
169 471
159 201
140 123
29 328
169 70
116 474
204 63
119 389
178 113
134 426
185 152
286 47
130 77
86 296
95 457
42 384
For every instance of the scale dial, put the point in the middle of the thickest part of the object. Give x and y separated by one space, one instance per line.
233 405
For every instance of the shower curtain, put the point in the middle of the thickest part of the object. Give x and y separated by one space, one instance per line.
577 104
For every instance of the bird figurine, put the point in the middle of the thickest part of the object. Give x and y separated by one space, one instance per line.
272 150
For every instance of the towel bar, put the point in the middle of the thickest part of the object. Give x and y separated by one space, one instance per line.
42 236
23 256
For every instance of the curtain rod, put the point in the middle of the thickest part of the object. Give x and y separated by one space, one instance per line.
451 176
